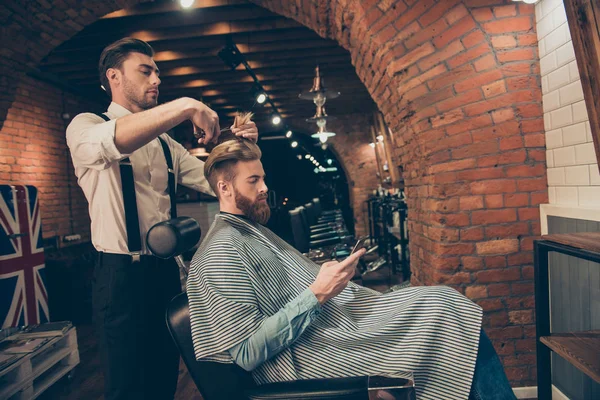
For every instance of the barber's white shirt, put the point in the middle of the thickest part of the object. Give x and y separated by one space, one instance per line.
96 160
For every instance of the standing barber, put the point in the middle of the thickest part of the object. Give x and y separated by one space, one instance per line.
127 167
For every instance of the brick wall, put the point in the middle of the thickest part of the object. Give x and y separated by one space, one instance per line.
459 85
33 151
573 177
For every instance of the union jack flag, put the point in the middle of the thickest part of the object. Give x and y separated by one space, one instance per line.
23 295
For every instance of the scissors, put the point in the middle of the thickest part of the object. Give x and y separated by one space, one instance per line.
201 134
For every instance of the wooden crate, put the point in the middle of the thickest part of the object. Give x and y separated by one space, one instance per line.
34 373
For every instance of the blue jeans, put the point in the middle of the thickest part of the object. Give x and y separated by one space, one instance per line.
490 381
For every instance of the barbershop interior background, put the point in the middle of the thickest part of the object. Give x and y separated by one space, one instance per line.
470 113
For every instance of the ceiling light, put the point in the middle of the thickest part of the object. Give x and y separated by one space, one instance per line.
323 134
318 93
186 3
231 56
307 156
261 98
312 158
294 144
288 134
275 119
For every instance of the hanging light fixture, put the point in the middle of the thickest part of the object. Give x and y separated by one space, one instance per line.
288 134
323 134
318 93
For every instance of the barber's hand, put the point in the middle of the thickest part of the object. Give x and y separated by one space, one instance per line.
334 276
247 131
205 121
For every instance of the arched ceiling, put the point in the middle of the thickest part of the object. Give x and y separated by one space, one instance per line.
281 52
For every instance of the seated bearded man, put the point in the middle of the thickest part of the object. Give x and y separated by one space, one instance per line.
257 302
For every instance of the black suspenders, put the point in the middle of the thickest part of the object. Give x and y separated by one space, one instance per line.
132 221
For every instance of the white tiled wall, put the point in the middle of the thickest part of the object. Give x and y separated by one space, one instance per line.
573 177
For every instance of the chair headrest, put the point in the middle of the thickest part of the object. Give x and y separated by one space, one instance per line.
171 238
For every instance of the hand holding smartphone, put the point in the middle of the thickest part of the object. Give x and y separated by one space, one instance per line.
360 243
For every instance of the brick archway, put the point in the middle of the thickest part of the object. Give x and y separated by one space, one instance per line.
458 83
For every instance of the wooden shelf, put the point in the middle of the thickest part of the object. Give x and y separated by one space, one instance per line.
589 241
582 349
28 377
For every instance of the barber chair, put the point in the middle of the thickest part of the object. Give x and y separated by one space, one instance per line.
338 230
314 218
217 381
302 240
318 247
320 212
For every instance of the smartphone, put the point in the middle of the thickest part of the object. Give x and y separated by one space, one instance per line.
360 243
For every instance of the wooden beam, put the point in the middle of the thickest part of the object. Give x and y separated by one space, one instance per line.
151 35
584 23
62 55
210 67
264 75
158 8
182 18
313 49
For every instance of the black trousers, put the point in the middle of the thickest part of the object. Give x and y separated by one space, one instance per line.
139 358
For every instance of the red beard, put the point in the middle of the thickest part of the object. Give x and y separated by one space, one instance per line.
258 211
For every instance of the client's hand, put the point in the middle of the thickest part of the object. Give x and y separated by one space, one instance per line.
334 276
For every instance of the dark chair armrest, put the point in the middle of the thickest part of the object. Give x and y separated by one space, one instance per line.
314 244
324 235
323 389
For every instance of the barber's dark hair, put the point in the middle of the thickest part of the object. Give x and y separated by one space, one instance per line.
114 54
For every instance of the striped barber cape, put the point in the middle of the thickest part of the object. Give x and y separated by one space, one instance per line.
243 273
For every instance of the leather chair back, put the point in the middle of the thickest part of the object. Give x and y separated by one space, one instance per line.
215 381
317 206
311 213
298 231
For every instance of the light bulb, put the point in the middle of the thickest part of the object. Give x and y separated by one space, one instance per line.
380 138
307 156
372 144
321 122
261 98
329 161
294 144
276 119
322 137
186 3
288 134
319 99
